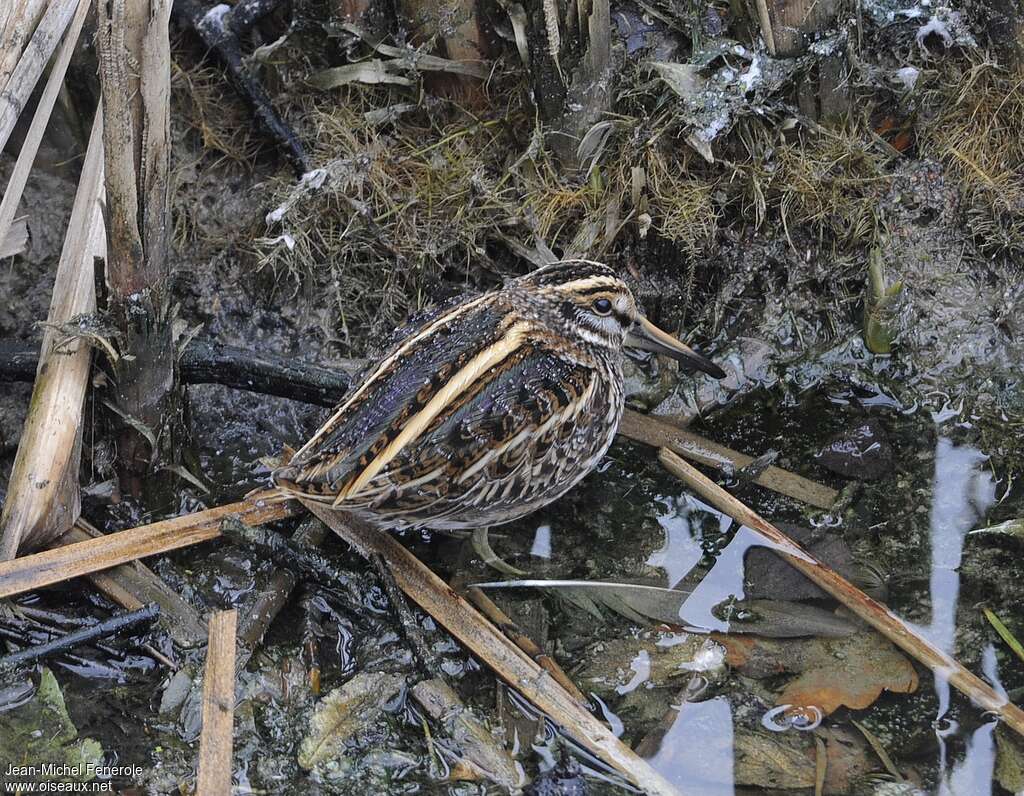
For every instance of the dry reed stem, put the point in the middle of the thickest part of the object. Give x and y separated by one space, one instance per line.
872 612
18 20
83 558
489 644
215 769
658 434
43 499
15 95
29 148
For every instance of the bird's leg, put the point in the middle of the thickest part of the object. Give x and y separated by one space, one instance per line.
429 663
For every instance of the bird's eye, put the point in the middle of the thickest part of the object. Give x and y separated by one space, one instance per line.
602 306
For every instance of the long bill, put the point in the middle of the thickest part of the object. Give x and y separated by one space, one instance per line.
648 337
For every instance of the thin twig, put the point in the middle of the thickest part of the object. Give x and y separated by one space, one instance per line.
872 612
118 623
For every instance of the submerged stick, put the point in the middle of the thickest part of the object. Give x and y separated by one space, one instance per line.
485 641
642 428
118 623
81 558
214 778
872 612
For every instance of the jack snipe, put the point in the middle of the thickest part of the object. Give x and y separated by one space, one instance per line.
488 409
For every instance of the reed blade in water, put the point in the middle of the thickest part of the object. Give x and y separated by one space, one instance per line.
643 604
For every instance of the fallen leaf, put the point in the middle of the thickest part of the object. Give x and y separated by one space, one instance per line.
343 714
851 671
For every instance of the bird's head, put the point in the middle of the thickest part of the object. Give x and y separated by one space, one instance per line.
589 301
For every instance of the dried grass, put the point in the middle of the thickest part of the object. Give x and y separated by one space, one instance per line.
829 182
397 210
977 132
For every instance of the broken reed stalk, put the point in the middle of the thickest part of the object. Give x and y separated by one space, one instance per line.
215 769
658 434
269 602
872 612
82 558
30 146
15 94
135 77
43 498
18 22
133 585
491 646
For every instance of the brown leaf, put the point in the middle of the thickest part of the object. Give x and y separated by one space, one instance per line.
851 671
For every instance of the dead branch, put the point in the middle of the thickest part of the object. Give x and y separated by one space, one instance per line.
210 362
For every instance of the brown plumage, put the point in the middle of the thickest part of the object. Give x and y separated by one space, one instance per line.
487 409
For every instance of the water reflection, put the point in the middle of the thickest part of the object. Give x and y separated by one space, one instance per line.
962 492
696 753
696 750
541 542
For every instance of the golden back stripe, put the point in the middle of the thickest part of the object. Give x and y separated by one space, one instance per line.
489 357
406 344
609 282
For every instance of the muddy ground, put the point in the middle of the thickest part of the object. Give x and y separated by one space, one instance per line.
761 258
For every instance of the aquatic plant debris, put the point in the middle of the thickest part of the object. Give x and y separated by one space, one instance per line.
40 732
342 715
723 81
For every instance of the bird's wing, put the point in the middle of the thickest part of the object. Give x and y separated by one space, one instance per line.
392 392
507 420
